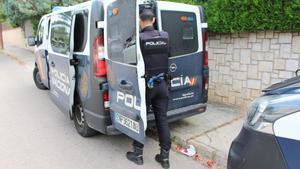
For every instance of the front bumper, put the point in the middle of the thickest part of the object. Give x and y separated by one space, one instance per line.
255 150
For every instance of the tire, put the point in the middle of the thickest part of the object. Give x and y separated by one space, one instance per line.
37 79
81 124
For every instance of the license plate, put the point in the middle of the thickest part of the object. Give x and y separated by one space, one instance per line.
127 122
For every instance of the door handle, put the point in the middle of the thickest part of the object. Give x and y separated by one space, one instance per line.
125 85
52 64
74 62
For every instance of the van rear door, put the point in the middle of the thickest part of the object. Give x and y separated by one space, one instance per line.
125 68
183 23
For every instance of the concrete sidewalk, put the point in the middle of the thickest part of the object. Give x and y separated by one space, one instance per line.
22 56
211 132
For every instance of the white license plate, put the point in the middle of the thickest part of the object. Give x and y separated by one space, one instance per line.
127 122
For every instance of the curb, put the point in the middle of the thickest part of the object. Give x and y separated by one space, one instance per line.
205 151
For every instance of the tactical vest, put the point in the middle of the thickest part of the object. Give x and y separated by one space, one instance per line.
155 50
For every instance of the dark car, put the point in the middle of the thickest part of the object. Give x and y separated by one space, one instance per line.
270 137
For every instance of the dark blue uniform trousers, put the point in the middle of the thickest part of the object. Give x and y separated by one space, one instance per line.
158 97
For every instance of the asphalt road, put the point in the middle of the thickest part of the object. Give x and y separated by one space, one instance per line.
35 134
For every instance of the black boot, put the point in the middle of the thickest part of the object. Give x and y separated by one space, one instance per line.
163 158
136 156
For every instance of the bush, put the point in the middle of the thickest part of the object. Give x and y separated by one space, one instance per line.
250 15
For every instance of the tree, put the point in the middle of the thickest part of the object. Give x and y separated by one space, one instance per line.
18 11
2 19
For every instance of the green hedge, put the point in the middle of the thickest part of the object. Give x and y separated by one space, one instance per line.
250 15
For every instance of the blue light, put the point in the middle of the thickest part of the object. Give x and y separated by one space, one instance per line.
190 18
110 13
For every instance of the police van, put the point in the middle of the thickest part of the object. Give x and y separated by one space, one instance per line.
270 137
88 56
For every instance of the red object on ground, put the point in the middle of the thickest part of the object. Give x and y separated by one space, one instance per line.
197 157
210 163
178 148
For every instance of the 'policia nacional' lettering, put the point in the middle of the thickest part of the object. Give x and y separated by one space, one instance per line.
60 81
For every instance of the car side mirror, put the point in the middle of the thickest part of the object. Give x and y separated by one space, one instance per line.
31 41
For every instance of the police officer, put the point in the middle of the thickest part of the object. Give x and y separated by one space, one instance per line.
155 50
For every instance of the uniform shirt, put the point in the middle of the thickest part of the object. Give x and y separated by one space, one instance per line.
155 50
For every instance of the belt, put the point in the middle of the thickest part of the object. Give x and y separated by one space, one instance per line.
158 78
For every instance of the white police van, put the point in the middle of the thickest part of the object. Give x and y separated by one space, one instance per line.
270 138
89 57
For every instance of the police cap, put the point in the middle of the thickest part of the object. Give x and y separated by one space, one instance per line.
147 14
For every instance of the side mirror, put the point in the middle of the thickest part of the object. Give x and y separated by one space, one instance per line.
31 41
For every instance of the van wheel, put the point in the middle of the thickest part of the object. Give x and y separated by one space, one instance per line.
80 123
37 79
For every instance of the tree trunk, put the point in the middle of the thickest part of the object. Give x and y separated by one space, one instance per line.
1 37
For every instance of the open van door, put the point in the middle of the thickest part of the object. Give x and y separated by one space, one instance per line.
62 70
125 68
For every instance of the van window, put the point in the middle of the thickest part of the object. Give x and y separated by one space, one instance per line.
40 33
80 31
61 33
182 29
121 31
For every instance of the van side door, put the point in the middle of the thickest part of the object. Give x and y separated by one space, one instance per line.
125 68
41 51
62 72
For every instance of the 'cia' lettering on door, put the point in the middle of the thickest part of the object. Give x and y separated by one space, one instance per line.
183 81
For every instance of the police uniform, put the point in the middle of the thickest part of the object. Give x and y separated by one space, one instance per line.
155 50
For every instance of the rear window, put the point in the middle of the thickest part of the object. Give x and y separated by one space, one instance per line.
182 29
121 32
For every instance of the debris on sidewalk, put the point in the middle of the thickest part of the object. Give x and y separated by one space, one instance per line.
210 163
190 151
211 133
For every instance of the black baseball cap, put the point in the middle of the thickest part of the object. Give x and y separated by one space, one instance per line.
146 14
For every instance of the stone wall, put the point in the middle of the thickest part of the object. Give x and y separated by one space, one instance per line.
15 37
243 64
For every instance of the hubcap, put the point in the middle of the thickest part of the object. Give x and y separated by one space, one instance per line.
79 115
